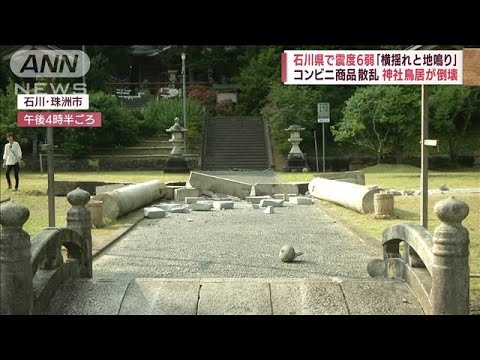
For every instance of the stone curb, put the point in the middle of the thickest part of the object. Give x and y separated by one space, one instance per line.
134 218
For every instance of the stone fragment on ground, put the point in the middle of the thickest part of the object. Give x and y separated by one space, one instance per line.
271 202
301 200
179 209
182 193
198 206
268 210
223 205
154 213
193 199
444 187
256 199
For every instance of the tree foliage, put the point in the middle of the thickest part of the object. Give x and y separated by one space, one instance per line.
257 78
452 111
381 119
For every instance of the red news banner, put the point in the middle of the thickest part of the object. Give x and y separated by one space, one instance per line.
59 119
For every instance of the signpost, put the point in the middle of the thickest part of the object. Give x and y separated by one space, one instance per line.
323 118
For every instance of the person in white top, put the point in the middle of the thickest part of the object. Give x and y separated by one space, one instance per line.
11 160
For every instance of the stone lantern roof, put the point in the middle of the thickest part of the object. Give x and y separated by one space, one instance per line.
295 128
176 127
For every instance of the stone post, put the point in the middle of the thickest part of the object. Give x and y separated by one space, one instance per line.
383 205
450 273
16 278
79 219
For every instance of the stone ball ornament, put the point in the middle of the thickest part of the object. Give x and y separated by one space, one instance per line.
288 254
13 214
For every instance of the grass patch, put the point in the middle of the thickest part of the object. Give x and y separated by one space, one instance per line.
33 195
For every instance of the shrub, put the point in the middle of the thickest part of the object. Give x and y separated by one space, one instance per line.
160 115
225 108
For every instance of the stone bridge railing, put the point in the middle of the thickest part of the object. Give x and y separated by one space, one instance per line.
33 269
434 266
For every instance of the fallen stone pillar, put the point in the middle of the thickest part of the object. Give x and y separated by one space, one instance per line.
219 185
120 202
355 177
352 196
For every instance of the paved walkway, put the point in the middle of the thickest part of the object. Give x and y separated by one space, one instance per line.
241 296
226 262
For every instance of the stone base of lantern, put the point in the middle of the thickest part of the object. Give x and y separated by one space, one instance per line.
176 164
296 163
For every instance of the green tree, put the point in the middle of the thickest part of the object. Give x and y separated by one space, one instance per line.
257 78
119 128
452 110
288 105
381 119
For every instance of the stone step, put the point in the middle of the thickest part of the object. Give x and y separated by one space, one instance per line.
234 296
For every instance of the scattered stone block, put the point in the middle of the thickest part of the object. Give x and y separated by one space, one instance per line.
255 206
208 193
268 210
256 199
182 193
444 187
221 205
170 194
223 198
154 212
200 206
270 189
280 196
193 199
271 202
179 209
301 200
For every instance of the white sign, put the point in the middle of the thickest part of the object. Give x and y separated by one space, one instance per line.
372 67
53 102
323 112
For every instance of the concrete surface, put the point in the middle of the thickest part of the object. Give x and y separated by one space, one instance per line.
240 296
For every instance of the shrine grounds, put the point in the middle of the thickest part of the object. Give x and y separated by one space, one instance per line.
33 194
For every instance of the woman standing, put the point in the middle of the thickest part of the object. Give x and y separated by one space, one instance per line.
11 160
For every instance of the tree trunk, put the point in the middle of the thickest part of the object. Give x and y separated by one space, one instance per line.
453 153
398 152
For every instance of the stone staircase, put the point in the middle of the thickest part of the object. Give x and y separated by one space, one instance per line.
235 142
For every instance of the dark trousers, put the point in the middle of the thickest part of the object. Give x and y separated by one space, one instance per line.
15 168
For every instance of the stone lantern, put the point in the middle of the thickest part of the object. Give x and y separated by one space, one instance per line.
296 158
176 162
172 77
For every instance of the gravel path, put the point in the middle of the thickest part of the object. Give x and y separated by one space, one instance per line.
242 242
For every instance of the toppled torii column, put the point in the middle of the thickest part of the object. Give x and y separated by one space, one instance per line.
352 196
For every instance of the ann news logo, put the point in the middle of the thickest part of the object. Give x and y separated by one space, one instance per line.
50 63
